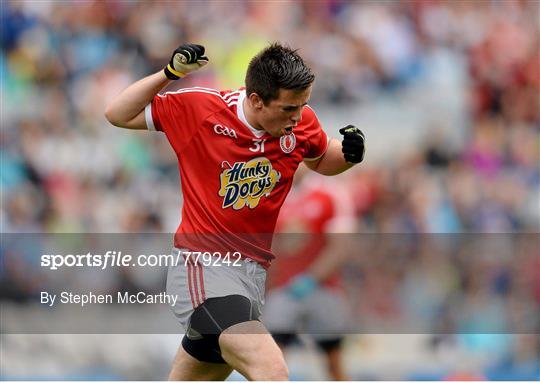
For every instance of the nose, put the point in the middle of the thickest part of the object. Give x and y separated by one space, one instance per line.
297 117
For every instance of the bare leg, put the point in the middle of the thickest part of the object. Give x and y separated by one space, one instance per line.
251 350
335 367
186 367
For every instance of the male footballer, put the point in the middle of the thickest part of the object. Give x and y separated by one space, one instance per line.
237 154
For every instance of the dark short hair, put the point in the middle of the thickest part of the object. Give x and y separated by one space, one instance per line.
277 67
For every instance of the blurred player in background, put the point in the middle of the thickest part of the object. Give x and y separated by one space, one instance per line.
305 289
237 153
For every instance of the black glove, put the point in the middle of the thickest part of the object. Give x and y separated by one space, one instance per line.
184 60
353 144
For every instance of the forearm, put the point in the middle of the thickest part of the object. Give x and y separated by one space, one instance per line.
332 163
330 262
324 267
129 104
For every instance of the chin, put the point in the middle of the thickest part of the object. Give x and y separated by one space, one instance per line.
276 134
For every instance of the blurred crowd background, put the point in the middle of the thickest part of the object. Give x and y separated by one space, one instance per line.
447 92
65 169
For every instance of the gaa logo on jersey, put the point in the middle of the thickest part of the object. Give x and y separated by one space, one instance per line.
245 183
226 131
287 142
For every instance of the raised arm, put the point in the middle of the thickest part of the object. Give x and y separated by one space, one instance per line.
127 109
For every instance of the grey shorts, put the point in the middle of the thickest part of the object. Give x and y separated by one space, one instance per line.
324 314
194 283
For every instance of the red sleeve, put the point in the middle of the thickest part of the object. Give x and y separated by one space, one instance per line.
317 140
178 115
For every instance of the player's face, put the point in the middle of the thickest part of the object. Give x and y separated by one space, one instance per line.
283 114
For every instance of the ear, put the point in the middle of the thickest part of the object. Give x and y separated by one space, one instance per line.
255 101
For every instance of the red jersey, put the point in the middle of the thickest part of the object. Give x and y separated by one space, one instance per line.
311 213
234 177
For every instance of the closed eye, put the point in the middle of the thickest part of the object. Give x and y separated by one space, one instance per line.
290 108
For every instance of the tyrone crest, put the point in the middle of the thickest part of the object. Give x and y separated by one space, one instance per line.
287 143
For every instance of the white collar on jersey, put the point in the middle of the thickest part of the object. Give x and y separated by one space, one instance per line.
242 116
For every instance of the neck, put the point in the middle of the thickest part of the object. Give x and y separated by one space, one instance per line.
250 115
